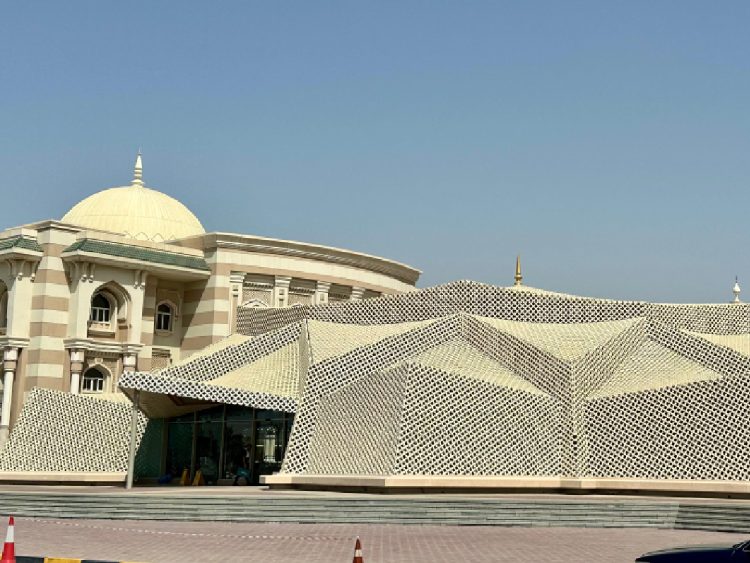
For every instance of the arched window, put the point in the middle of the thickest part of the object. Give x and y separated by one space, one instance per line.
101 309
93 381
164 317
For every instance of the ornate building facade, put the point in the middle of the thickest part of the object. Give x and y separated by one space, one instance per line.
129 280
464 385
160 352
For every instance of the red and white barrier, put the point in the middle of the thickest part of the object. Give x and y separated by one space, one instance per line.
9 548
357 553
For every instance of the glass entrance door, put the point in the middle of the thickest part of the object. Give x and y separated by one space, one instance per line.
231 444
238 451
208 444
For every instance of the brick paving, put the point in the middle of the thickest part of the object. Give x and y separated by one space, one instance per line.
178 542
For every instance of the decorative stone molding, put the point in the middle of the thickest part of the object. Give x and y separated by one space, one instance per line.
129 362
106 348
255 244
13 343
321 292
139 279
236 284
10 359
20 269
82 271
237 280
281 290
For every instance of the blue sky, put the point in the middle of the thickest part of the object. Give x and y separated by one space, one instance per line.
608 142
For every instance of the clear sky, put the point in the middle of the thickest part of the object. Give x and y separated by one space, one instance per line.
606 141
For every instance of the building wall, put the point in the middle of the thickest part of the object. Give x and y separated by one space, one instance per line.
50 316
49 301
520 382
311 269
206 316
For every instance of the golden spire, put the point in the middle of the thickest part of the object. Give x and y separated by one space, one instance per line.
519 277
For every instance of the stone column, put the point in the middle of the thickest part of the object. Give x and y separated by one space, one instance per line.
358 293
281 291
321 292
128 362
10 357
76 367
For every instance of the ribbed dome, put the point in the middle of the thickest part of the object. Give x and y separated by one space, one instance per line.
136 211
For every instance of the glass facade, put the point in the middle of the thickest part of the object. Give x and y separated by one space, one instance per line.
229 444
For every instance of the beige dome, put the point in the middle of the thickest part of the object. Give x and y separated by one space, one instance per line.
136 211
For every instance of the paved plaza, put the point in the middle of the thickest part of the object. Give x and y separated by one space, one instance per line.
177 542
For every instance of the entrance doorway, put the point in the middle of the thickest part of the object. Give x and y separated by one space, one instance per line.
229 444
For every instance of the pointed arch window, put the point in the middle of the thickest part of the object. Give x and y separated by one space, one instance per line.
93 381
164 317
101 309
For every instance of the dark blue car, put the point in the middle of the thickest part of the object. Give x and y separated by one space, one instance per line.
700 554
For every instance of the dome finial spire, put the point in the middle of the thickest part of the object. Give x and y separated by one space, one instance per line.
138 172
736 290
518 277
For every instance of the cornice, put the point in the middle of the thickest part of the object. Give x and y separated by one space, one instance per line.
320 253
92 345
14 342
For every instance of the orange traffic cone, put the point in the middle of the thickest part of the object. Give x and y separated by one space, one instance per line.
358 552
9 548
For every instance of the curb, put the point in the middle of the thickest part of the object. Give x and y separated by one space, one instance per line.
31 559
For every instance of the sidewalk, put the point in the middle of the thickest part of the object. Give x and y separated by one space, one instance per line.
211 542
264 492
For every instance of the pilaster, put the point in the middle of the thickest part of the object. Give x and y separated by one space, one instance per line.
137 297
129 362
82 288
321 292
20 288
236 283
281 291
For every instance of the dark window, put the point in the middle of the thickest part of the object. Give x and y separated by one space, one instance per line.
100 309
232 443
4 309
164 317
93 381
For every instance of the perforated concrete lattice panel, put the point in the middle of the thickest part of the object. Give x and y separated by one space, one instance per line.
63 432
262 372
472 379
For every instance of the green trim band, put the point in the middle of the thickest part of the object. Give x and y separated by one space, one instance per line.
20 242
138 253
